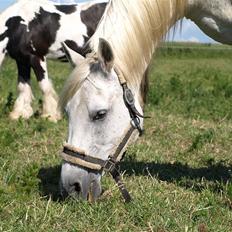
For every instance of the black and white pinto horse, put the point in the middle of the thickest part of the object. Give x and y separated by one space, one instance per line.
30 31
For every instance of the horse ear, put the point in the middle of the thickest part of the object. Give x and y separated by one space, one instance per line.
105 55
73 57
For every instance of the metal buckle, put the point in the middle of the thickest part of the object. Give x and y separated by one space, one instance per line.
130 104
128 96
109 165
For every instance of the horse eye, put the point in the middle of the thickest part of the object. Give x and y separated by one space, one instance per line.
100 115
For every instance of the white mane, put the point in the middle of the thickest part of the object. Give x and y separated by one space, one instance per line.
135 30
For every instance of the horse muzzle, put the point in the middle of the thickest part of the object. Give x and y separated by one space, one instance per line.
80 183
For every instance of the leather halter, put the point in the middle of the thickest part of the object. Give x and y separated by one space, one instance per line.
75 156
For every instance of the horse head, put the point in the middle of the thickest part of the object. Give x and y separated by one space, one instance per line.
102 116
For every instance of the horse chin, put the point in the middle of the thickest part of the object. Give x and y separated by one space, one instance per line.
75 193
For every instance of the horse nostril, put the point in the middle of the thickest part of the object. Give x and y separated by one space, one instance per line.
77 187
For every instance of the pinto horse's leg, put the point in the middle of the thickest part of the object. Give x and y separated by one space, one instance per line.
2 50
22 107
2 56
50 99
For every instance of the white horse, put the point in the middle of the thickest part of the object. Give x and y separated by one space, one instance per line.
103 116
32 30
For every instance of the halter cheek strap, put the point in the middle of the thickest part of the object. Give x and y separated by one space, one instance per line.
78 157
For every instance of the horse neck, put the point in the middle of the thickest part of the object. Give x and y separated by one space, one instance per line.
134 32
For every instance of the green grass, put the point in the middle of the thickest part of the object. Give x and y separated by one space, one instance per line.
179 172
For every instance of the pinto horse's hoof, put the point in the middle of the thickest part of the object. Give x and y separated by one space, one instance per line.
15 115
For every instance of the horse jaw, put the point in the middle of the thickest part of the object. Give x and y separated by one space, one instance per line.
214 17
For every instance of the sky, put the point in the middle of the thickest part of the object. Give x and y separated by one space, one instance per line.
190 32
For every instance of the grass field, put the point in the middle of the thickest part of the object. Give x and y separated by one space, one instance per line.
179 172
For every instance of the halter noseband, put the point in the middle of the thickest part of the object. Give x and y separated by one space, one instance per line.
77 157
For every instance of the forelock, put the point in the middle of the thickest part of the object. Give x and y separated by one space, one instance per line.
73 83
